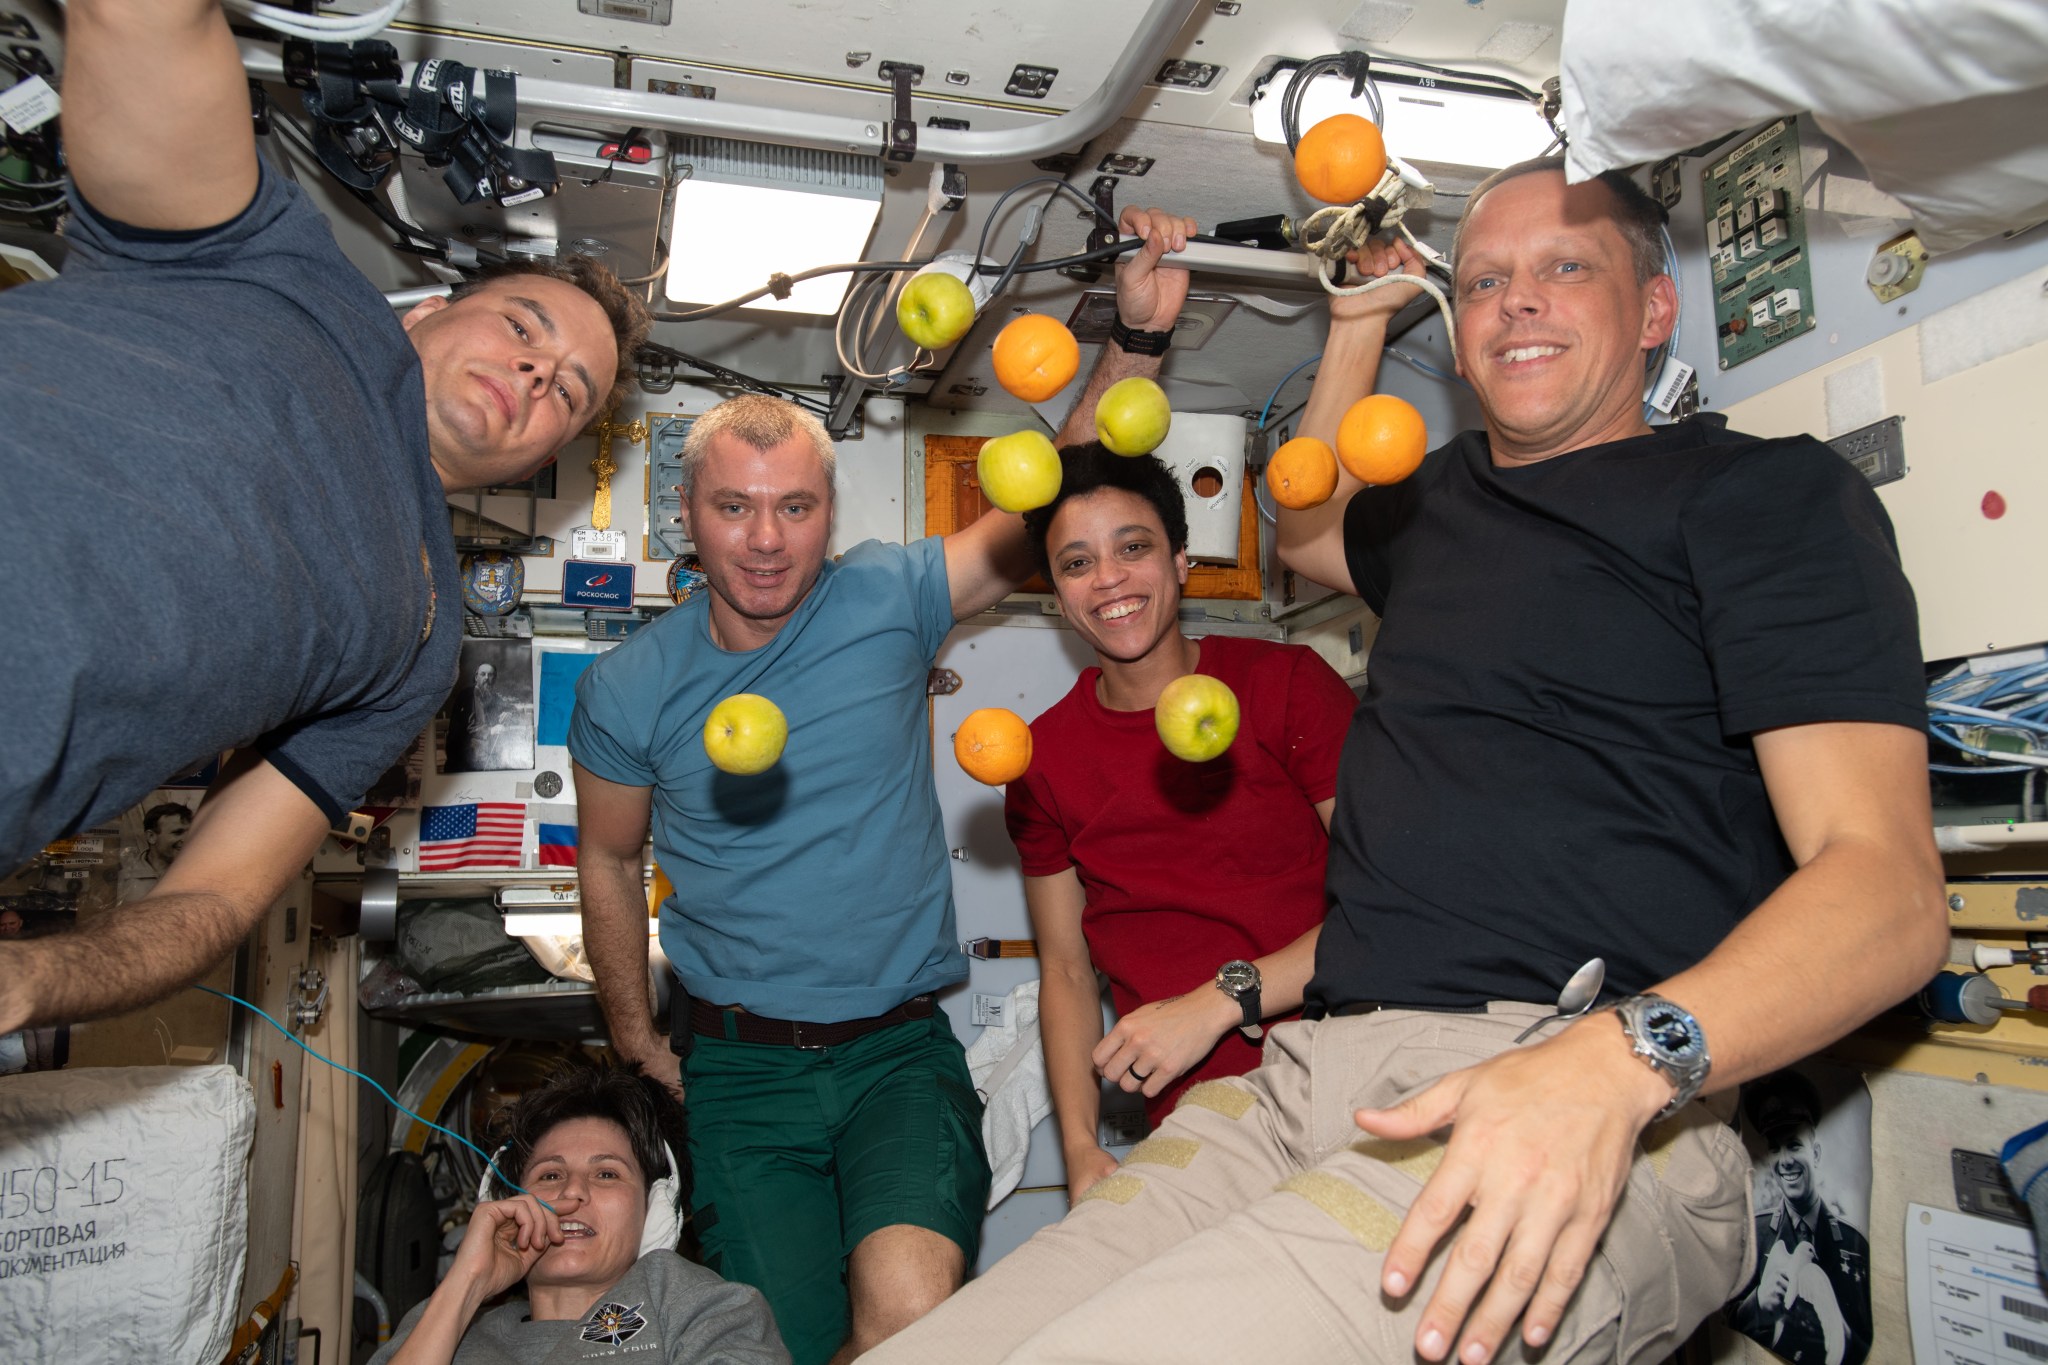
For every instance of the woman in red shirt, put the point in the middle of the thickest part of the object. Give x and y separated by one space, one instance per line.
1168 876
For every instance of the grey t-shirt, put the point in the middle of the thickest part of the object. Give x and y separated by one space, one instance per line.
666 1310
220 522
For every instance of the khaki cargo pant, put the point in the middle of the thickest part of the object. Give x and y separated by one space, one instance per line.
1251 1227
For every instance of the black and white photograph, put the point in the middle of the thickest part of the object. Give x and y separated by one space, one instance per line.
152 836
490 714
1808 1130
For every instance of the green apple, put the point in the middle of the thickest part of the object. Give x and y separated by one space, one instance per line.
1196 716
1132 416
745 734
1019 471
935 309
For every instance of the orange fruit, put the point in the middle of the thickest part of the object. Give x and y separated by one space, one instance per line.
993 746
1302 473
1340 159
1036 357
1382 439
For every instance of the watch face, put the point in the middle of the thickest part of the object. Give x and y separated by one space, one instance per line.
1672 1032
1237 977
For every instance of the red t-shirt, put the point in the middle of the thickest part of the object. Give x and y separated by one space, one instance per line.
1188 865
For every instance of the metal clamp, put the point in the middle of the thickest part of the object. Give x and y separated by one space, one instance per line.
901 142
310 1002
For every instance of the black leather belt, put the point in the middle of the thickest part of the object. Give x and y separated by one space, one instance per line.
1375 1006
716 1021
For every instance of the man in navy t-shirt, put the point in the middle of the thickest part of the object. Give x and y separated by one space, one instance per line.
1648 695
223 468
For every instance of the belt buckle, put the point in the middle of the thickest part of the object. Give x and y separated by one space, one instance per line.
796 1038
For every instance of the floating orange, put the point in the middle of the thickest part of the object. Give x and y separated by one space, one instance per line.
993 746
1302 473
1382 439
1036 357
1340 159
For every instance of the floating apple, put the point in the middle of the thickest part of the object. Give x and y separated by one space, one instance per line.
1132 416
936 309
1019 471
1197 717
745 734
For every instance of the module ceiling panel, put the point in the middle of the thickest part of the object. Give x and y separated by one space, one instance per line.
970 52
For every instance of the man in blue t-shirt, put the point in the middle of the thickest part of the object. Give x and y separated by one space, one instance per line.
834 1130
223 467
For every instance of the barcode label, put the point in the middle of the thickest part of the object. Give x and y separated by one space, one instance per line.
2026 1346
2031 1311
1671 382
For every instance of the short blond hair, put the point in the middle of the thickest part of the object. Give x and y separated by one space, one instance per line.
761 420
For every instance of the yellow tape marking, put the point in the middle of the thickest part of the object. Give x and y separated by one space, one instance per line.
1416 1158
1358 1213
1176 1152
1117 1189
1221 1096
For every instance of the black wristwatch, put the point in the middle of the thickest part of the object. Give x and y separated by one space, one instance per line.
1240 981
1670 1042
1134 342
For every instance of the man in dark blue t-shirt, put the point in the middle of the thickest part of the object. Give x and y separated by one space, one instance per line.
223 464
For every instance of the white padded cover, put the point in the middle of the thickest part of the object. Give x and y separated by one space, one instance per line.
123 1214
1943 101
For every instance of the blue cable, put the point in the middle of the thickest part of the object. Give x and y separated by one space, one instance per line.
1432 371
1273 397
509 1182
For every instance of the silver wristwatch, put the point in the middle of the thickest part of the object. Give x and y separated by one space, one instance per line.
1670 1042
1240 981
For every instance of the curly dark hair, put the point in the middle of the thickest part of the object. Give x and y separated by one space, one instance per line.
1087 468
627 315
641 1106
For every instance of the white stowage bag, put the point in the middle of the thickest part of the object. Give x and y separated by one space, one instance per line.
1943 101
1007 1063
123 1213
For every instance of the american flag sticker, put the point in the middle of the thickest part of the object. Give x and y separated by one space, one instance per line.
487 834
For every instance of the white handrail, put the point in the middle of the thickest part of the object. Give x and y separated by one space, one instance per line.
1138 63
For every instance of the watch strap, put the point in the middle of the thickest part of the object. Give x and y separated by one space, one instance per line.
1135 342
1687 1076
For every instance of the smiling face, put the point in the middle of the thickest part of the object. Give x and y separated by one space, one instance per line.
1117 575
1794 1150
1552 322
167 840
584 1169
513 372
760 520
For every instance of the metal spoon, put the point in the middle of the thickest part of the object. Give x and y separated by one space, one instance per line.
1577 997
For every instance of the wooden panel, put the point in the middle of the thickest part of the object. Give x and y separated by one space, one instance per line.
953 499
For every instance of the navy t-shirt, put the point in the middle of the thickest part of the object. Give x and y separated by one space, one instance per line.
220 523
1552 760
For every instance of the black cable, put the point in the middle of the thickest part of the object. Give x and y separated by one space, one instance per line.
733 378
33 210
1357 65
1482 77
414 240
31 184
988 223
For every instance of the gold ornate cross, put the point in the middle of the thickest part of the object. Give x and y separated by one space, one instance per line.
604 466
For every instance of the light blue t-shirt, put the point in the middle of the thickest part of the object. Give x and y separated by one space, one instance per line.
818 890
